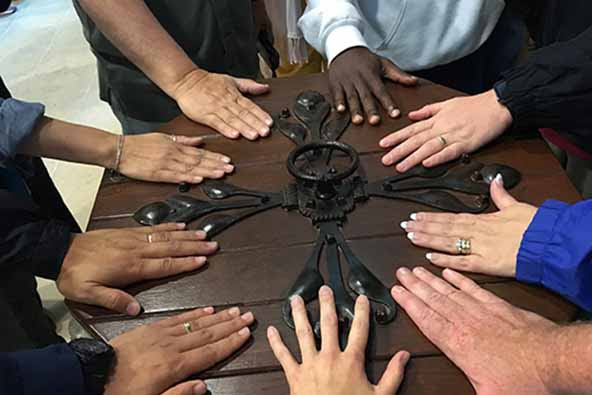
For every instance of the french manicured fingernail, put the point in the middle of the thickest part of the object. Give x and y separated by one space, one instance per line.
397 289
429 256
199 389
247 317
499 179
413 217
133 308
181 225
208 310
244 332
404 224
200 260
340 108
411 235
325 291
395 113
234 312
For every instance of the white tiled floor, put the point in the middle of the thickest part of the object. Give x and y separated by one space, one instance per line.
44 58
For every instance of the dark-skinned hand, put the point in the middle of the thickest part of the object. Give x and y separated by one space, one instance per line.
356 79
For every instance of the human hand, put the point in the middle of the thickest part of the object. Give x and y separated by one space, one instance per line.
357 74
153 358
495 238
499 347
162 158
99 260
446 130
217 100
331 371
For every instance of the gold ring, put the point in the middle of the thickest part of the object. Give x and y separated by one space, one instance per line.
174 138
463 246
187 327
150 238
443 140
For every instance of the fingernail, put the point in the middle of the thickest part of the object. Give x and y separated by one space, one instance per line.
413 217
397 289
200 260
200 388
269 121
200 234
228 168
244 332
197 180
295 300
181 226
499 179
429 256
247 317
363 298
406 357
374 119
264 131
209 310
404 224
395 113
226 159
410 235
235 311
133 308
212 244
358 119
340 108
325 291
419 270
272 331
404 271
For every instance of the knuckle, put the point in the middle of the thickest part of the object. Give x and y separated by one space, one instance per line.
167 264
303 331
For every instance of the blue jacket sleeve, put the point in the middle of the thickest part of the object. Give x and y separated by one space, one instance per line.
17 121
556 251
52 370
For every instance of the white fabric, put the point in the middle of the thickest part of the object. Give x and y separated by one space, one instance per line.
289 41
414 34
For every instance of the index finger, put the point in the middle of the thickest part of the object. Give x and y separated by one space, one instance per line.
358 336
329 324
384 97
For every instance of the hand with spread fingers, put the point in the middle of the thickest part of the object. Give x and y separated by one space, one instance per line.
155 358
100 261
331 371
162 158
500 348
356 79
484 243
217 100
446 130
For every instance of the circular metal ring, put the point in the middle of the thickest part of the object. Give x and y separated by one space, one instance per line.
334 145
463 246
443 140
150 238
174 138
187 327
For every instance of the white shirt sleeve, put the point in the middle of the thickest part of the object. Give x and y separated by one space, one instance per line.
333 26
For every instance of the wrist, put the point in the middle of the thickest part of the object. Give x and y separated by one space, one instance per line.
502 113
187 83
107 150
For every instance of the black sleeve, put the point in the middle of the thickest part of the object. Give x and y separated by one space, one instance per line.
553 89
30 241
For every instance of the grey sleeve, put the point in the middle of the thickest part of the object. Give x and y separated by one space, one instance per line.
17 121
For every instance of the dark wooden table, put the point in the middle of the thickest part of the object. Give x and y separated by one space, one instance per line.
261 257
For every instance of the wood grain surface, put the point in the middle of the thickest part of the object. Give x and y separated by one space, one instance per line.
260 257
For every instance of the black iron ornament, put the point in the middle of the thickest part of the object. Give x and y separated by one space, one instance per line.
329 183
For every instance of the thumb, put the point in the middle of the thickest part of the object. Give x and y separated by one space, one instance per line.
395 74
251 87
115 299
425 112
196 387
500 196
393 375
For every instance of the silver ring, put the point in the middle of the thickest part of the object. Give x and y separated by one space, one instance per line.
442 140
187 327
463 246
150 238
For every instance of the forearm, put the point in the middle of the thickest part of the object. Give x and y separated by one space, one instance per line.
133 29
565 365
73 143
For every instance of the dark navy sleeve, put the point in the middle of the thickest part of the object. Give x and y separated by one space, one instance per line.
556 251
17 121
47 371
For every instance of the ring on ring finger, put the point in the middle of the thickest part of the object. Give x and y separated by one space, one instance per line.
150 238
173 137
442 140
463 246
